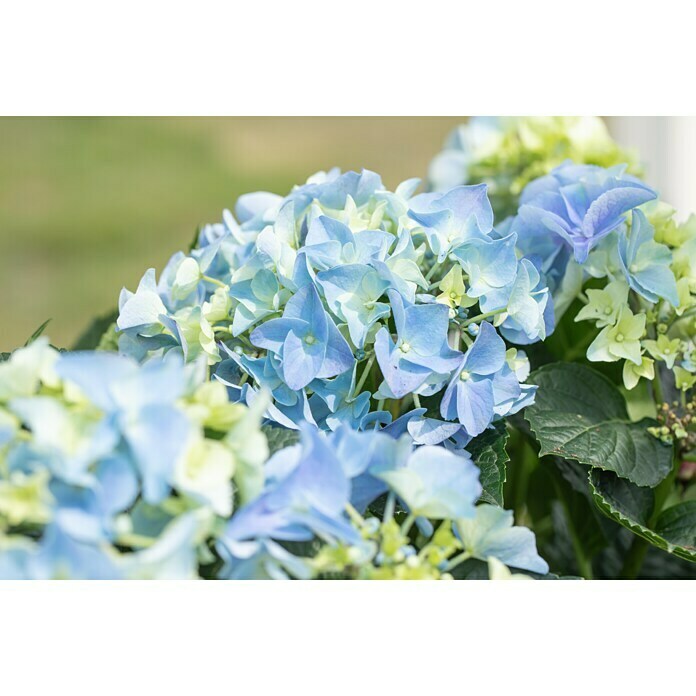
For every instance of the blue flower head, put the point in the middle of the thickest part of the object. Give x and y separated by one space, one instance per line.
141 400
491 264
421 348
306 341
581 204
529 308
470 396
645 263
452 218
305 494
353 293
331 243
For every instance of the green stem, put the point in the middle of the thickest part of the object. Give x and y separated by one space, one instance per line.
459 558
634 559
407 524
657 389
481 317
389 506
354 515
431 272
363 377
214 281
416 401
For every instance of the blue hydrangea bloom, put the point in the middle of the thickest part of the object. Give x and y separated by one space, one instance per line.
470 396
530 315
141 401
435 483
645 263
421 348
453 217
353 293
331 243
305 340
581 204
334 402
491 264
491 534
305 494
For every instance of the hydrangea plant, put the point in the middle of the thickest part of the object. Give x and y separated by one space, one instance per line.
328 384
113 469
352 304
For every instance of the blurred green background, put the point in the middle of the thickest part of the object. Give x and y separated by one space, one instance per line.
88 204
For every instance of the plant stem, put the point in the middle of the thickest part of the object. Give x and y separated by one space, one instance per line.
214 281
389 506
657 390
481 317
431 272
363 377
459 558
634 559
354 514
408 523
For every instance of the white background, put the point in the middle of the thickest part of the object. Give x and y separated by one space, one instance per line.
351 58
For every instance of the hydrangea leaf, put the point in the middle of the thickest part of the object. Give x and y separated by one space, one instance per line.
92 335
632 507
488 453
278 438
37 333
580 415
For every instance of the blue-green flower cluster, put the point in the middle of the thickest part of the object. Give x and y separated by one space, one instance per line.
507 152
605 238
319 493
112 469
355 305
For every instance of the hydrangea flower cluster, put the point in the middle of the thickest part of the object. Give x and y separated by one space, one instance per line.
314 517
111 469
507 152
605 238
351 304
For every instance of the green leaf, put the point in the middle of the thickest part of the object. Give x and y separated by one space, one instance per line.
37 333
632 507
678 525
489 454
92 335
580 415
278 437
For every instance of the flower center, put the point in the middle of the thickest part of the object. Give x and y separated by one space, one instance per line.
453 295
607 310
405 347
619 338
464 375
633 268
310 340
